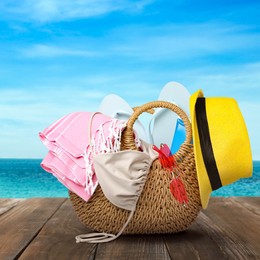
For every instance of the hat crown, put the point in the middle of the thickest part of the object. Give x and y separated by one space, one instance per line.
221 143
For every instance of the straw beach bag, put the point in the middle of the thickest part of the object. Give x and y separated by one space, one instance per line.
157 211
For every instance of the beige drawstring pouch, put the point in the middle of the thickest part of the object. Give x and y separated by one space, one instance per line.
122 176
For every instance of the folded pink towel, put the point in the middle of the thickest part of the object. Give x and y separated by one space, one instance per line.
70 158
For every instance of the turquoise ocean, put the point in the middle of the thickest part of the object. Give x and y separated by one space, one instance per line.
24 178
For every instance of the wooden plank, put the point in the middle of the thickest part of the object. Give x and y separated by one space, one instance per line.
250 203
21 224
7 204
208 239
133 247
241 225
56 240
197 242
45 229
226 240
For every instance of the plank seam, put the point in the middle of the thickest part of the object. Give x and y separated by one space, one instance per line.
7 209
19 254
166 246
246 205
230 237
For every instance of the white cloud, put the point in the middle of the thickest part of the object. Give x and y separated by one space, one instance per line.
241 81
41 50
59 10
175 43
39 105
185 41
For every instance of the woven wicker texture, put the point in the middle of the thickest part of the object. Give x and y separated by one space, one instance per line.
157 210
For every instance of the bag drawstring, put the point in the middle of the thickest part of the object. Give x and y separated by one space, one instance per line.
103 237
100 237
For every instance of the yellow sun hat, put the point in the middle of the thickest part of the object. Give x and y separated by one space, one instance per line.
221 143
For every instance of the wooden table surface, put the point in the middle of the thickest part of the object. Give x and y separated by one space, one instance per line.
45 228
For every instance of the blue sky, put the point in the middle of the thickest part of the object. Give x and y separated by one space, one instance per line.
57 57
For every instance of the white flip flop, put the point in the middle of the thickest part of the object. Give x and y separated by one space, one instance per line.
164 121
114 106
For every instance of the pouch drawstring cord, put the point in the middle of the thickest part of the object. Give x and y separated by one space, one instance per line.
100 237
103 237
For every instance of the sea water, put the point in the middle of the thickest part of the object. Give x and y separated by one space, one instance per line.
24 178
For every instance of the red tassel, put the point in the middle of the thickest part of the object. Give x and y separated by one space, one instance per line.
165 149
178 190
165 157
168 162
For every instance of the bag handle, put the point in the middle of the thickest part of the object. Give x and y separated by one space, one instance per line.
128 141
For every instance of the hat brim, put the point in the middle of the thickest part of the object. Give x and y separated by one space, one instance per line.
202 176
